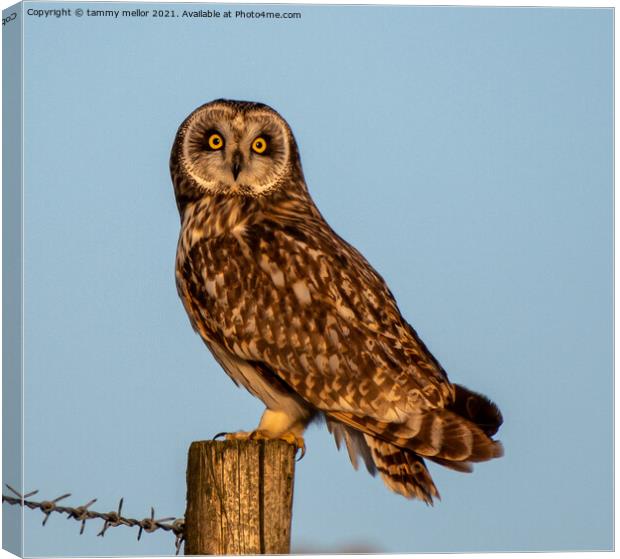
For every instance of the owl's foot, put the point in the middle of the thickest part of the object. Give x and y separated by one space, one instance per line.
263 435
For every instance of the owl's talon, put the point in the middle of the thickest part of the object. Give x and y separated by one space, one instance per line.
303 451
222 434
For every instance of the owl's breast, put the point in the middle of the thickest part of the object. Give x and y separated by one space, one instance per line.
215 283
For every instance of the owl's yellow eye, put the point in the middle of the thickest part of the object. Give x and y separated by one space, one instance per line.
259 145
215 141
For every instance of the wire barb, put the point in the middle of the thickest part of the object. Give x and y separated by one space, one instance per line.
110 519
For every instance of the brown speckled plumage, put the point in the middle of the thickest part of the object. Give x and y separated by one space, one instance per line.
301 319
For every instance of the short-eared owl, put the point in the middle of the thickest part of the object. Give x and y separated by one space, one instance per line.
298 316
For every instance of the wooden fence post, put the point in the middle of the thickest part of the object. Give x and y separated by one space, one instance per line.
239 497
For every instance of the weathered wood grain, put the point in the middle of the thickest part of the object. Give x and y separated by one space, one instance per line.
239 497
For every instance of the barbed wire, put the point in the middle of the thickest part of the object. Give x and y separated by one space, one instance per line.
110 519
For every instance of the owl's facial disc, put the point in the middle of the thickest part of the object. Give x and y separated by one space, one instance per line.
244 152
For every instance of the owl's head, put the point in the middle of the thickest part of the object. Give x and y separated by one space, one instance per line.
235 147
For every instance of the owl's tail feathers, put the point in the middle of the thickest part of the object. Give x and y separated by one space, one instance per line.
454 436
403 471
485 415
477 408
445 437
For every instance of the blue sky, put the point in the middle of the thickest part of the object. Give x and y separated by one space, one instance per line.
467 152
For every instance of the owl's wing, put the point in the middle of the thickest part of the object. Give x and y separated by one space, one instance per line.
311 308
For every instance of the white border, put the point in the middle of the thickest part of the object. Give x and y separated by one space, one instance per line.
479 3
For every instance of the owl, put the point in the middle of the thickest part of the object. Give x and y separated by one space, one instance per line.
298 317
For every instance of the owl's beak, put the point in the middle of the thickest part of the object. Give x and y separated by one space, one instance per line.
237 163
